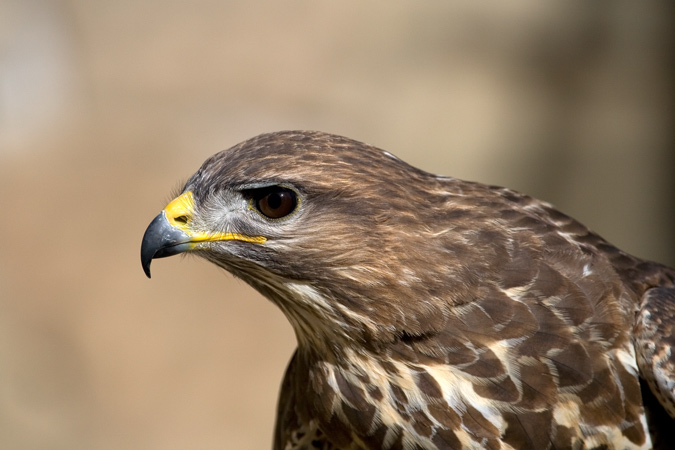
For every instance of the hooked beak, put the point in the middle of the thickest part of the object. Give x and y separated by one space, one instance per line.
160 240
170 233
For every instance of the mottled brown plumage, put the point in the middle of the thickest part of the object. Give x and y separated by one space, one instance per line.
432 312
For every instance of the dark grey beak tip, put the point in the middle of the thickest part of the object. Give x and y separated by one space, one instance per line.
146 268
152 241
161 240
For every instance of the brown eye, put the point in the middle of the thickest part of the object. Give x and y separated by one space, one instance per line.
277 203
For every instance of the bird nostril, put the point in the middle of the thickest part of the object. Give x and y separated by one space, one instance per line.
181 219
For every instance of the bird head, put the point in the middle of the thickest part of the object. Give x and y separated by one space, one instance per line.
337 233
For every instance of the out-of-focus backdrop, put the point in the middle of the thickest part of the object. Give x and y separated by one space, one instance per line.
106 106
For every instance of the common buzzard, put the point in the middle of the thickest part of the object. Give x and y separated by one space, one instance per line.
431 312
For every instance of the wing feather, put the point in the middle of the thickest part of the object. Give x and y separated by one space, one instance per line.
655 344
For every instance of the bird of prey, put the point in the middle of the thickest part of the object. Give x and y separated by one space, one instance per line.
431 312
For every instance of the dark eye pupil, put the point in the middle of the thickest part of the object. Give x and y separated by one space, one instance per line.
278 203
275 199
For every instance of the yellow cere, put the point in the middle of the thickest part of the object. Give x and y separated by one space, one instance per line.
179 211
179 214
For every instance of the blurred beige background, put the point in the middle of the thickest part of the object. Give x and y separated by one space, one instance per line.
105 107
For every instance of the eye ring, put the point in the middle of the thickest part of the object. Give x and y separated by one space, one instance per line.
276 202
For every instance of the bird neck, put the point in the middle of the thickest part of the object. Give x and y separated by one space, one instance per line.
319 322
